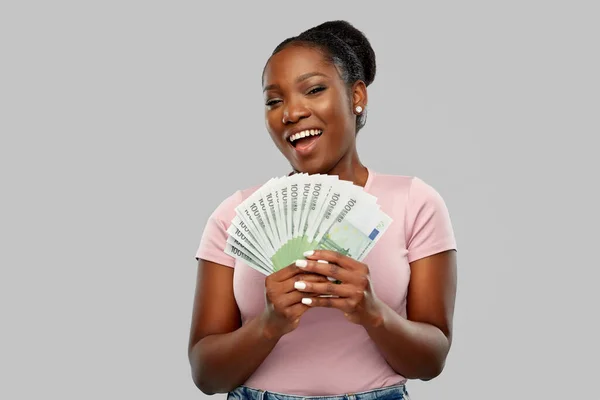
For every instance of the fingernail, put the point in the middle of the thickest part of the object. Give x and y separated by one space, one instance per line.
306 301
299 285
301 263
331 279
323 261
308 253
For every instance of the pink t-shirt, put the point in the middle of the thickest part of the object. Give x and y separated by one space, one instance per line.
326 354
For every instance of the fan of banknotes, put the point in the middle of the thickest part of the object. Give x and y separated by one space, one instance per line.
289 215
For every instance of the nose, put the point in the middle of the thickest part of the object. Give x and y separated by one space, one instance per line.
294 111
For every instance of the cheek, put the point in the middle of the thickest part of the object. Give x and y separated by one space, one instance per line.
274 127
271 122
335 111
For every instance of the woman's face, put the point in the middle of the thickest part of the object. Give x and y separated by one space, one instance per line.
305 95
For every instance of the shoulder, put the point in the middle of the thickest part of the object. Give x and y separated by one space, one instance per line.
422 191
391 181
427 223
409 194
407 185
225 210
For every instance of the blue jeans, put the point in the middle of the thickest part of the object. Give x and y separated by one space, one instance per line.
396 392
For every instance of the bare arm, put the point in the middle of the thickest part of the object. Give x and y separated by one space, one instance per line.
417 346
222 353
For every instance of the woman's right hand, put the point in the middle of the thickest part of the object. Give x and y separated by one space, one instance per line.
284 305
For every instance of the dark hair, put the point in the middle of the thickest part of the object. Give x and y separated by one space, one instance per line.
344 46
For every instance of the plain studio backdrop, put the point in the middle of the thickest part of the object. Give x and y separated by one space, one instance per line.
124 124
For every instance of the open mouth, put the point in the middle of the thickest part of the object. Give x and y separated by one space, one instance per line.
305 138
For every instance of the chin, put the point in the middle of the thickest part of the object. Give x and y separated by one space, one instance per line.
311 167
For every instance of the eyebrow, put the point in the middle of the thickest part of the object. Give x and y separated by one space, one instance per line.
298 79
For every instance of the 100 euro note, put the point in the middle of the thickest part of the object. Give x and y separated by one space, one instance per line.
308 197
238 231
287 188
353 230
250 212
384 223
289 215
286 252
355 235
312 205
266 220
305 187
350 225
237 247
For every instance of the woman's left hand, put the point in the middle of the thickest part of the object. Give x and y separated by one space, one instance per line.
354 295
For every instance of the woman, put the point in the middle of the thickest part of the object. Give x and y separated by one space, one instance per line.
254 335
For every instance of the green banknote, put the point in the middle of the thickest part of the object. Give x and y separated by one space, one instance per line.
289 215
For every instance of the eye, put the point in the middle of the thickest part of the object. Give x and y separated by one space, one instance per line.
316 90
272 102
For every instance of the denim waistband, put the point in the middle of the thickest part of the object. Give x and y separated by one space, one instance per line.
395 392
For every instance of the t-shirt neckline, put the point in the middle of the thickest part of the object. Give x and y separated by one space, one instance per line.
370 176
369 179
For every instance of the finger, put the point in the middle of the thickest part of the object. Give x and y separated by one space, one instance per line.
294 312
305 277
286 273
289 299
333 257
328 269
287 286
298 277
297 310
345 304
310 277
342 290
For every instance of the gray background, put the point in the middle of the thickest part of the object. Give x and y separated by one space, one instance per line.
125 123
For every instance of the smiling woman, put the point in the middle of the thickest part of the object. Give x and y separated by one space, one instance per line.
390 318
315 88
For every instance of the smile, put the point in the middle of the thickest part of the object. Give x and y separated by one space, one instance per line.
309 133
304 142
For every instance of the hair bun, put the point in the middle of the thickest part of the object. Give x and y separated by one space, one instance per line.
346 32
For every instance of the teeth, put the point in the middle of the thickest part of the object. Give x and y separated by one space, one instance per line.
309 132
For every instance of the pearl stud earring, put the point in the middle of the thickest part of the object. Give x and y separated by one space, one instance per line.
359 109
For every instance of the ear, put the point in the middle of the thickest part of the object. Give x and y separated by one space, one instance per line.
359 97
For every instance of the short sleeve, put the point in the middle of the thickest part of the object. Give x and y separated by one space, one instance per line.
428 225
214 236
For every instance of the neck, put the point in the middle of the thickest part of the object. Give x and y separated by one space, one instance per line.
349 168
